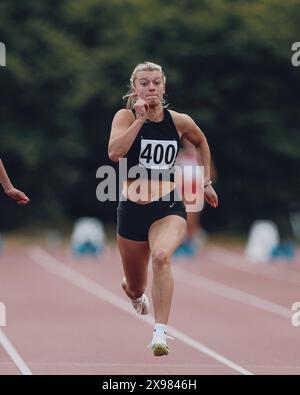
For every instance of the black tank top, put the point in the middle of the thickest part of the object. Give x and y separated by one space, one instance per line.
154 150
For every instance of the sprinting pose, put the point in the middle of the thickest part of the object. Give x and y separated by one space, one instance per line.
9 189
151 216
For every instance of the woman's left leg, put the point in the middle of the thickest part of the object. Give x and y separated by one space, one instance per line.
164 236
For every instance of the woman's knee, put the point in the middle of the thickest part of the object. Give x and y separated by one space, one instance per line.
160 258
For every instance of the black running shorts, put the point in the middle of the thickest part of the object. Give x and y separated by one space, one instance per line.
135 219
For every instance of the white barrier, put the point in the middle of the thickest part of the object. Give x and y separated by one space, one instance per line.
88 237
263 238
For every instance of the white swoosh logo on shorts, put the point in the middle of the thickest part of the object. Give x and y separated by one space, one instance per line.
172 205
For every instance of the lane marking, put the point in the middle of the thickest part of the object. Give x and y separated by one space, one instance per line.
234 260
54 266
14 355
220 289
180 365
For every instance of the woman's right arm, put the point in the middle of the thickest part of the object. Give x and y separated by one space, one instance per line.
9 189
124 130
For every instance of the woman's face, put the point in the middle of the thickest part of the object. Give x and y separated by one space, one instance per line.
149 86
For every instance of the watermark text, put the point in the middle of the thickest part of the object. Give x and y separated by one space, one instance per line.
2 54
296 316
189 181
2 314
296 56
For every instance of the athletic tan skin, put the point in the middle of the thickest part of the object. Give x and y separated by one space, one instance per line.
9 189
166 234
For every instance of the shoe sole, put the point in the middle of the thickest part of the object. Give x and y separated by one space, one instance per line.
144 311
160 350
145 308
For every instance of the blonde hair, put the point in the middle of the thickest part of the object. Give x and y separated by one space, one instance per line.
145 66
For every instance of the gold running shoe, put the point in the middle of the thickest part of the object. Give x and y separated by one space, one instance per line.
159 344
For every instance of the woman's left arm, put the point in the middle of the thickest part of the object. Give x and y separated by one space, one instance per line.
194 135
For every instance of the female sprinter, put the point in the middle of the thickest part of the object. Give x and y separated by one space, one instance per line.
151 217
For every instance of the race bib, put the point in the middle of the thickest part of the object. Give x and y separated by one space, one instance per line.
158 154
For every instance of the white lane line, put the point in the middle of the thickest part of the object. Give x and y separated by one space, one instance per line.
51 264
232 259
212 366
220 289
14 355
161 365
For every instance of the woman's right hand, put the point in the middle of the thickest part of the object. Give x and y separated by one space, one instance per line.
141 109
17 195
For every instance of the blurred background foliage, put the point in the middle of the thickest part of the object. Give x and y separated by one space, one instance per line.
228 65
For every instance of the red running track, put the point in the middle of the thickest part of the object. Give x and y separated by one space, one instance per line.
70 316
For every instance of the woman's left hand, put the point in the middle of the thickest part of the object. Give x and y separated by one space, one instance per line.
210 196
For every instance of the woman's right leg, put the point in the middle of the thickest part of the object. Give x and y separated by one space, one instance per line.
135 256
